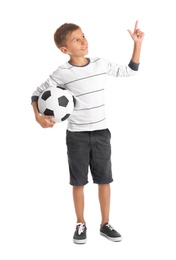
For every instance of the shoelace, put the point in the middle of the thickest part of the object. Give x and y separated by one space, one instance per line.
81 228
110 227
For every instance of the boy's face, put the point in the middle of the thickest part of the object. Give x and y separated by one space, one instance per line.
76 45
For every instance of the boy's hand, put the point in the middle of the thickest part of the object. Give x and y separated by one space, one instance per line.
137 35
45 121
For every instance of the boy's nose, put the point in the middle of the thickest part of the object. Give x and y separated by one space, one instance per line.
83 41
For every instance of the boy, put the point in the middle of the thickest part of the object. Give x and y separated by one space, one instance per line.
87 137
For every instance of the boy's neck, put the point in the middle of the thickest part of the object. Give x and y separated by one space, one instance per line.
79 61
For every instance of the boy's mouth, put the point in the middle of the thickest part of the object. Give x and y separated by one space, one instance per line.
84 48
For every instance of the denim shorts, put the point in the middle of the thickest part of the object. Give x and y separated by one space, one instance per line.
89 150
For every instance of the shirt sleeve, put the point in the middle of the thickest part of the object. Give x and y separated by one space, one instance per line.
53 80
118 70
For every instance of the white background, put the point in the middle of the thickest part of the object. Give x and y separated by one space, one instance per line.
37 217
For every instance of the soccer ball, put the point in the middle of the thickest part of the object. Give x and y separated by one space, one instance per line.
56 102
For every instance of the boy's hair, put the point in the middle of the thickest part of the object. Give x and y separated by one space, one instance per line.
60 35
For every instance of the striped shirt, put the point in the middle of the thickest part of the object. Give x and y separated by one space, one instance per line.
86 83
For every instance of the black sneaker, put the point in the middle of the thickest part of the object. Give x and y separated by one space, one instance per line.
80 236
109 232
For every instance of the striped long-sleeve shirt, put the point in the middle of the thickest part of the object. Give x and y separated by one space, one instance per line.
86 83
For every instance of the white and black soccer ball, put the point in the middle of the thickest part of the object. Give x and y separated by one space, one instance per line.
56 102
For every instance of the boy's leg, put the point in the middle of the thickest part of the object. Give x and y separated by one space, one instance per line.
104 199
105 228
100 165
80 234
78 198
78 150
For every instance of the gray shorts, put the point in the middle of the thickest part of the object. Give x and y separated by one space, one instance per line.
89 149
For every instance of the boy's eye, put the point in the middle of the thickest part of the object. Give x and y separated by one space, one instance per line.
77 39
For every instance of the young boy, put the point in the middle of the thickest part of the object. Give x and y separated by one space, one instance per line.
87 137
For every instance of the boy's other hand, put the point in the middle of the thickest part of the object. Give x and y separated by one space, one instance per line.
45 121
137 35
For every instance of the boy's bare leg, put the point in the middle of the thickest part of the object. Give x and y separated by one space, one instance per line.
78 198
104 198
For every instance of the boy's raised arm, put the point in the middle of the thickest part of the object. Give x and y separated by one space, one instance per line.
137 35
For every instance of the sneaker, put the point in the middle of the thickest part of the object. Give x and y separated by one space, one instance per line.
109 232
80 236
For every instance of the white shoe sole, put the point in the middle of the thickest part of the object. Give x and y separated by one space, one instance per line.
114 239
81 241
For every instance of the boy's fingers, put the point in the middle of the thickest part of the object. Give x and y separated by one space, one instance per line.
136 25
130 32
137 32
49 117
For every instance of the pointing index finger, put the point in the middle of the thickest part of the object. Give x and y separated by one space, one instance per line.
136 25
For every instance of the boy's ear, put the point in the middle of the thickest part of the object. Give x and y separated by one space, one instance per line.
64 50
